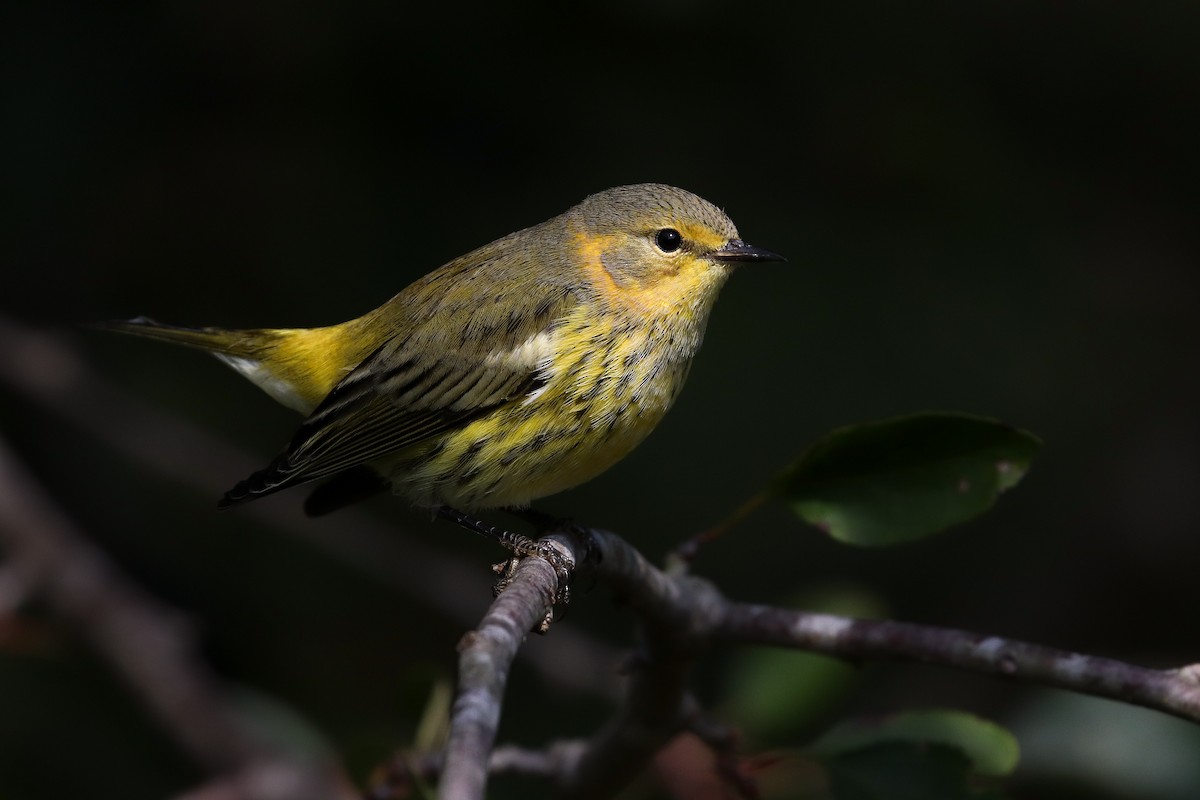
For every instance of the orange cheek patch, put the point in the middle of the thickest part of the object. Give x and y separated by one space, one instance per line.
591 249
681 277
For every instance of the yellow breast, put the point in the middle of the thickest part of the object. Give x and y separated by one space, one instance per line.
606 386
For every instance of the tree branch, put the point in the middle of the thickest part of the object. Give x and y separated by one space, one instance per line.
681 616
485 656
1172 691
699 616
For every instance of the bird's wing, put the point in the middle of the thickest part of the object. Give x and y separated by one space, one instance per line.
429 379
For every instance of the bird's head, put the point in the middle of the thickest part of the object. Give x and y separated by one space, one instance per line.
653 243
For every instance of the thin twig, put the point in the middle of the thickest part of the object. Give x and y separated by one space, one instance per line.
406 770
687 551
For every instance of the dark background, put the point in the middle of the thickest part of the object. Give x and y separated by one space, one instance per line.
987 207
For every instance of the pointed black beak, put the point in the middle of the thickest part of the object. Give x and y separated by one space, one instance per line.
737 250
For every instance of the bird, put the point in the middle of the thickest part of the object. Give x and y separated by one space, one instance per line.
521 369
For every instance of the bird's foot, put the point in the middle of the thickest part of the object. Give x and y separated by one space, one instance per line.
545 523
522 547
525 547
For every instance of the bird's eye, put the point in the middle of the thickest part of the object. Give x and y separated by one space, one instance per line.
668 240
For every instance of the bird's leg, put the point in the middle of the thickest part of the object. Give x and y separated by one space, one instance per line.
521 546
540 520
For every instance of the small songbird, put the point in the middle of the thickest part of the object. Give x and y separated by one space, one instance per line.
513 372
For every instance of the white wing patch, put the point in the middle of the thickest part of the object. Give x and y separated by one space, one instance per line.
533 353
536 352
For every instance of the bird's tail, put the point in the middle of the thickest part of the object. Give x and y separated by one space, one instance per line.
221 341
296 366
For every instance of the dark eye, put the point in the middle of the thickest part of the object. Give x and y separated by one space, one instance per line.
668 240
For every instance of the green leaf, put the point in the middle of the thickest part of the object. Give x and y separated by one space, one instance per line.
1108 749
987 747
905 478
774 693
903 771
280 725
434 727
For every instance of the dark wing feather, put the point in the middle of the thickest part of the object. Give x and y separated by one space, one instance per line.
367 417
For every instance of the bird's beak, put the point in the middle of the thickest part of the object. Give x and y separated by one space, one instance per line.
737 250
